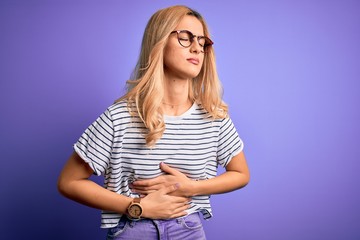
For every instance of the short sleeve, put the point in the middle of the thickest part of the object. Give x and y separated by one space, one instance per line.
229 144
95 144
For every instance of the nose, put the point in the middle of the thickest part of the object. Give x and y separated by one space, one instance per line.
195 46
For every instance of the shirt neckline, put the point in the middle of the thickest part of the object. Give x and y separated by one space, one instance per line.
185 114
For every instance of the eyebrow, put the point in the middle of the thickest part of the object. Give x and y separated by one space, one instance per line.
202 35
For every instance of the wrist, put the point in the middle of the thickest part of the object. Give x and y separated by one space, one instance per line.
135 209
194 188
145 208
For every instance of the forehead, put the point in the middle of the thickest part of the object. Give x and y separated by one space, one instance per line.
191 24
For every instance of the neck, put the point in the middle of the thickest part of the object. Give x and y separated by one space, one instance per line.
177 109
176 90
178 104
176 96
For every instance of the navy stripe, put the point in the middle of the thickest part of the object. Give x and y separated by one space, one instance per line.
194 145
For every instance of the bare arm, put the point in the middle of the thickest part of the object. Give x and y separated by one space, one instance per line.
73 183
236 176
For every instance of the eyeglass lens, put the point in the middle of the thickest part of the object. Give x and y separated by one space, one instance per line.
186 38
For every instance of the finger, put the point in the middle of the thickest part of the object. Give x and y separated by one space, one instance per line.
181 207
180 200
180 211
170 189
142 188
181 214
175 211
168 169
146 183
142 191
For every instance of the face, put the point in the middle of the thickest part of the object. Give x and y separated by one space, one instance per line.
181 62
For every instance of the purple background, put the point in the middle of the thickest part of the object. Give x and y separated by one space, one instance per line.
290 71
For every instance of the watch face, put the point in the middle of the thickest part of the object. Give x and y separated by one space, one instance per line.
135 210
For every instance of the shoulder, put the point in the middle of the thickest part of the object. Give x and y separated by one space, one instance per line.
218 115
118 107
117 110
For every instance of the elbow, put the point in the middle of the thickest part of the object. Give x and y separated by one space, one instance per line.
62 187
246 176
247 179
244 179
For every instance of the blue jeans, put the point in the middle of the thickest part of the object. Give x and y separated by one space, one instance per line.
184 228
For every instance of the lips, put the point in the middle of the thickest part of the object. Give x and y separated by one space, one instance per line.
194 61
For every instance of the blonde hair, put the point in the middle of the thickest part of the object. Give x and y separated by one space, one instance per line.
146 86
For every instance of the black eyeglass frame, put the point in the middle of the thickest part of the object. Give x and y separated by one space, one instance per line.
208 41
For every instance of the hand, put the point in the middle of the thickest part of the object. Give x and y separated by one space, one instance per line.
171 177
161 205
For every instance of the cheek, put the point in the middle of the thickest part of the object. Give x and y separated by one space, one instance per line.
202 59
168 53
168 60
172 57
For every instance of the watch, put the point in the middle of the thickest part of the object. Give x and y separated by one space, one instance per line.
135 210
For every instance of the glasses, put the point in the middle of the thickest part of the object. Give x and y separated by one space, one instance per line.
186 38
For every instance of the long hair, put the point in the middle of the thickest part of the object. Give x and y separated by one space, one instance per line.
146 85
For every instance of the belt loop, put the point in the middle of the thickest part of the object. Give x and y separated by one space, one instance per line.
156 224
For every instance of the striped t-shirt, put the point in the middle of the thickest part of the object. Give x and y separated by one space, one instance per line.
193 143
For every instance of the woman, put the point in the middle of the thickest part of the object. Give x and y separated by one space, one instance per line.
159 145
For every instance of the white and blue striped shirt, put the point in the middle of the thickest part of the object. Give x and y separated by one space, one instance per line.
193 143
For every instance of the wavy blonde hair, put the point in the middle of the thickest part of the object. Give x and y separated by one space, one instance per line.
146 86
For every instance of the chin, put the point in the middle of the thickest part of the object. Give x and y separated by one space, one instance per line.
185 74
193 74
